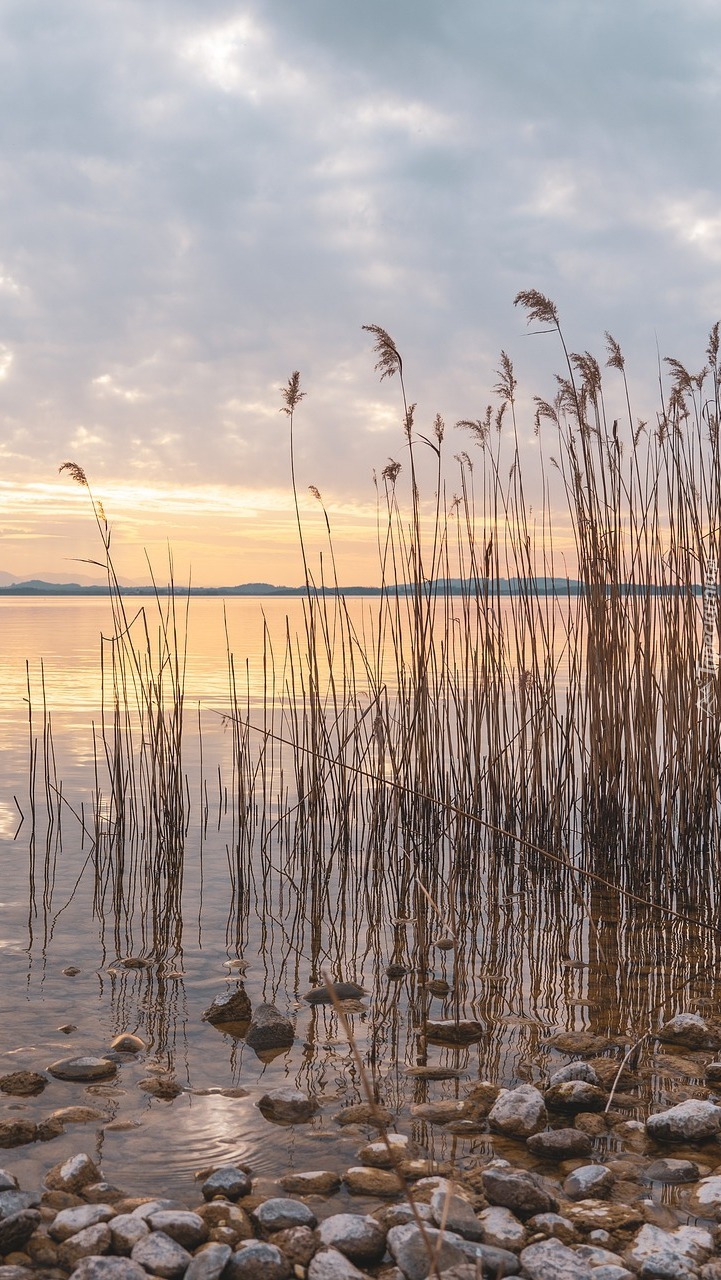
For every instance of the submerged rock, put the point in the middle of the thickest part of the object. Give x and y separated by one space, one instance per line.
287 1106
17 1133
560 1144
23 1084
317 1182
518 1113
690 1030
363 1180
581 1043
127 1043
449 1032
82 1068
341 991
269 1029
691 1121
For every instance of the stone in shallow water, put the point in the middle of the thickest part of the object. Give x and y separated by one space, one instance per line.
691 1121
575 1095
384 1155
77 1115
582 1043
8 1181
161 1255
440 1112
690 1030
590 1181
450 1032
552 1260
127 1043
269 1029
521 1192
341 991
17 1133
228 1181
257 1261
517 1113
362 1180
23 1084
575 1071
317 1182
287 1106
279 1213
671 1171
364 1113
362 1239
560 1144
72 1174
232 1006
82 1068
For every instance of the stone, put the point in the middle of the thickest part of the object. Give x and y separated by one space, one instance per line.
77 1115
68 1222
397 1215
17 1133
269 1029
161 1255
704 1201
362 1239
317 1182
49 1128
581 1043
15 1273
671 1172
83 1067
331 1264
691 1031
612 1272
127 1043
519 1112
552 1260
13 1201
669 1255
435 1073
712 1072
447 1031
90 1242
575 1095
228 1181
384 1155
521 1192
575 1071
257 1261
560 1144
279 1213
23 1084
126 1230
297 1243
691 1121
208 1262
147 1208
595 1215
454 1213
8 1181
186 1228
16 1230
501 1228
552 1224
73 1174
363 1113
361 1180
590 1181
287 1106
108 1269
440 1112
591 1122
233 1006
409 1249
164 1087
341 991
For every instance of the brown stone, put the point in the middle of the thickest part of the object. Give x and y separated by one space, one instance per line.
23 1084
16 1133
362 1180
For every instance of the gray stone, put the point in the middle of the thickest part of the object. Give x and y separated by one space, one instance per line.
397 1215
521 1192
363 1240
127 1043
409 1249
15 1273
341 991
232 1006
108 1269
597 1256
502 1228
553 1224
589 1182
279 1213
552 1260
209 1262
8 1181
15 1201
560 1144
186 1228
149 1207
610 1271
127 1229
575 1096
228 1181
518 1113
82 1068
269 1029
257 1261
287 1106
17 1229
690 1121
575 1071
90 1242
330 1264
671 1171
494 1261
68 1222
691 1031
73 1174
372 1182
453 1213
669 1255
161 1255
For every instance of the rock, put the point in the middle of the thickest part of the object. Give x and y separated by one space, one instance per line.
519 1112
440 1112
594 1123
595 1215
501 1228
712 1072
454 1213
435 1073
186 1228
13 1201
580 1043
15 1273
278 1213
521 1192
447 1031
341 991
164 1087
108 1269
49 1128
704 1201
575 1095
77 1115
396 971
372 1182
257 1261
552 1260
233 1006
607 1272
126 1230
320 1182
691 1031
147 1208
23 1084
90 1242
269 1029
297 1243
330 1264
127 1043
590 1181
208 1263
364 1113
553 1224
408 1248
8 1181
72 1174
16 1230
82 1068
384 1155
363 1240
669 1255
438 987
560 1144
17 1133
575 1071
691 1121
287 1106
161 1255
68 1222
228 1181
671 1172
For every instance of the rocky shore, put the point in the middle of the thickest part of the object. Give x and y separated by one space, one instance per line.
572 1189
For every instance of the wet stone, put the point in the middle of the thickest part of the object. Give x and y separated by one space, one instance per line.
501 1228
362 1239
552 1260
287 1106
269 1029
671 1171
87 1243
447 1031
408 1249
521 1192
517 1113
384 1155
72 1174
108 1269
553 1224
23 1084
68 1222
82 1068
331 1264
691 1121
575 1095
691 1031
575 1071
127 1043
228 1181
440 1112
164 1087
341 991
8 1181
453 1213
14 1201
147 1208
364 1113
161 1255
16 1230
590 1181
17 1133
278 1213
297 1243
560 1144
372 1182
317 1182
712 1072
581 1043
126 1230
186 1228
209 1262
232 1006
257 1261
76 1115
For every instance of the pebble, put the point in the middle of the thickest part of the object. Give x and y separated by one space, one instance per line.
331 1264
228 1181
16 1229
231 1007
127 1043
269 1029
690 1121
82 1068
384 1155
500 1227
90 1242
317 1182
521 1192
73 1174
449 1032
23 1084
287 1106
575 1071
68 1222
186 1228
552 1260
671 1171
364 1113
362 1180
408 1248
590 1181
17 1133
278 1213
518 1113
362 1239
673 1254
126 1230
161 1255
559 1144
341 991
454 1213
208 1263
575 1095
257 1261
691 1031
109 1269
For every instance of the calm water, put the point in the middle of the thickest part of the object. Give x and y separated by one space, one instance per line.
516 928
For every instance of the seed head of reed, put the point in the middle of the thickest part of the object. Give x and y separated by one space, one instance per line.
291 393
389 358
540 308
75 472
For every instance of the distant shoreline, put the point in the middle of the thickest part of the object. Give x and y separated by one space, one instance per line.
441 587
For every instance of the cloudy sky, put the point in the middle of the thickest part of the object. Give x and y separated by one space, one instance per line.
200 196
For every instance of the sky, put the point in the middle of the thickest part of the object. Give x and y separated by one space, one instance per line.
199 197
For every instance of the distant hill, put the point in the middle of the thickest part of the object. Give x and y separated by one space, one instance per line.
444 586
